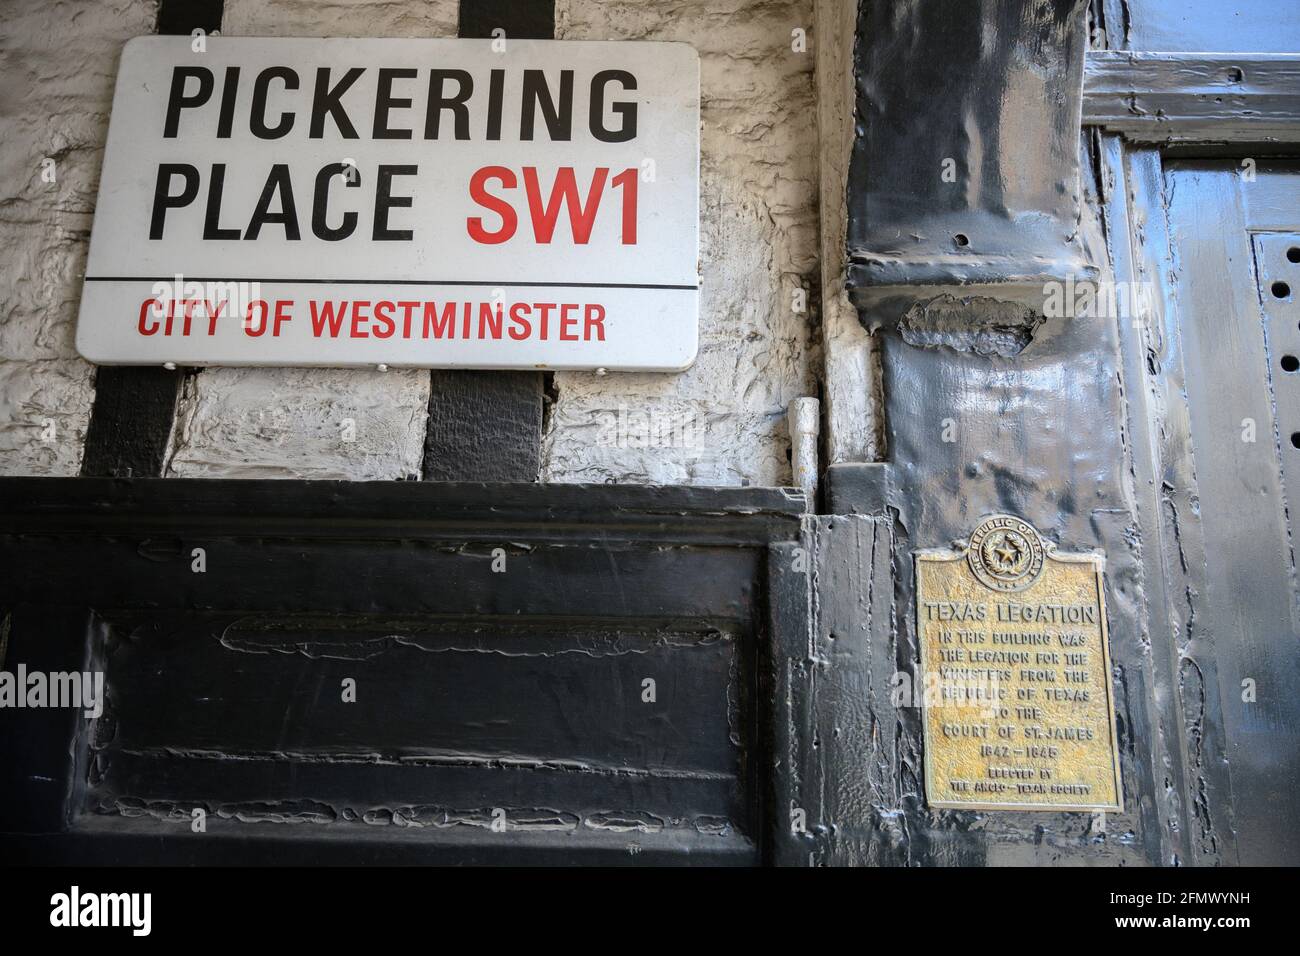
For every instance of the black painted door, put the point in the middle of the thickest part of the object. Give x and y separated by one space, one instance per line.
393 672
1234 232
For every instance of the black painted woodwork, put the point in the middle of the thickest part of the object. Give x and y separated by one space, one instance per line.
1170 98
181 17
522 19
1085 425
1036 406
135 406
487 426
131 421
1234 246
518 691
932 201
483 426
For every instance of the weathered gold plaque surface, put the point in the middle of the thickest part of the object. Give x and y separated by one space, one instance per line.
1015 675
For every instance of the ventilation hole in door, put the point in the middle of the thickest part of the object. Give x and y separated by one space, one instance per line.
1295 439
1293 254
1290 363
1280 290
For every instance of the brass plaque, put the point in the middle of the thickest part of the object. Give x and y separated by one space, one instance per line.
1015 675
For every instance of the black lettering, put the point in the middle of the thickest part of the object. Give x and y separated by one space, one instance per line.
385 101
625 110
496 90
385 201
320 201
439 101
211 229
177 100
277 182
226 119
164 200
326 100
257 121
559 120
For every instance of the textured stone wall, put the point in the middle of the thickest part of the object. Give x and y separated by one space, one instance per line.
852 396
58 60
722 421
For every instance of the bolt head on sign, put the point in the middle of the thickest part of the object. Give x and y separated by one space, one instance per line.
409 203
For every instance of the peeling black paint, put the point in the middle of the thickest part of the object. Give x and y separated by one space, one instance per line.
990 406
494 713
965 167
977 324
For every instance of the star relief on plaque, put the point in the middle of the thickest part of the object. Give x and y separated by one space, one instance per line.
1005 553
1015 674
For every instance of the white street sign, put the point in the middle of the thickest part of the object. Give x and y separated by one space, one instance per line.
428 203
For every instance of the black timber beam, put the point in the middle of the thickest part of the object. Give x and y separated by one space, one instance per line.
135 406
487 426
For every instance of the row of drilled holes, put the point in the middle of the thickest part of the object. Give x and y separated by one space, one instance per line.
1281 290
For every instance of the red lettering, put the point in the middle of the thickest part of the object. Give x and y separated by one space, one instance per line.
358 318
407 309
440 325
281 315
518 320
384 320
329 313
545 309
593 317
627 180
187 313
565 189
260 327
213 315
489 321
480 195
567 321
146 307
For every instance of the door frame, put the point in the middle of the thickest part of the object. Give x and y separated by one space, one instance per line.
1140 111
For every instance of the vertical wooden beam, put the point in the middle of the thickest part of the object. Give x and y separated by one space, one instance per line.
131 421
483 426
179 17
944 72
135 406
521 19
487 426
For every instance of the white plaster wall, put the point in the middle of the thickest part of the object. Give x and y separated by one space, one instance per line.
323 423
58 62
852 397
340 18
721 422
